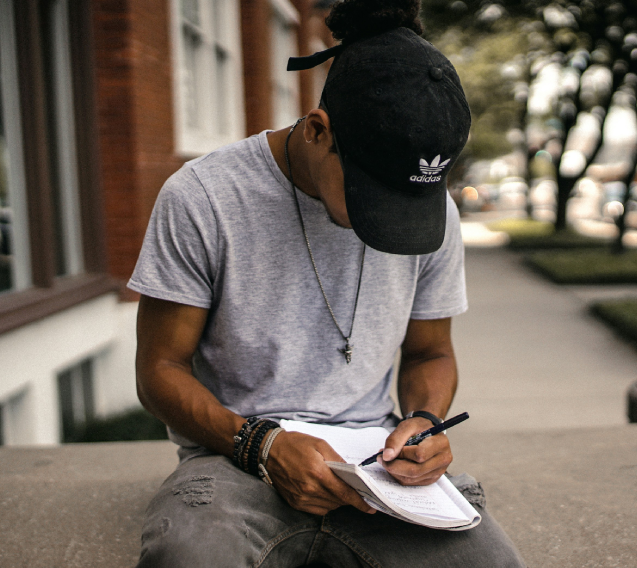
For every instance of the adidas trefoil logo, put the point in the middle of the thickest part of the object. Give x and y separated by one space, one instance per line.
430 171
435 168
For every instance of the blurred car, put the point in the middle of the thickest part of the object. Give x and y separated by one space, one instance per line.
543 200
512 193
586 202
613 200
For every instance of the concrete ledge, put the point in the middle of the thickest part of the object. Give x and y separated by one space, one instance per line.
78 505
566 497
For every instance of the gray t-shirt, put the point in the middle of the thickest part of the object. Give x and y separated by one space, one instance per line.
225 235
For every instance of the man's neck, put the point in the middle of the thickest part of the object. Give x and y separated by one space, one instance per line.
297 154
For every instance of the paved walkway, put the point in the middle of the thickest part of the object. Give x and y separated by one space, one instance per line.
530 355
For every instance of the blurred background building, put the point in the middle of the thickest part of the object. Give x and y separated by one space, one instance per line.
101 102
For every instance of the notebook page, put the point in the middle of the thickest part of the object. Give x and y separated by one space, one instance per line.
452 491
428 500
352 444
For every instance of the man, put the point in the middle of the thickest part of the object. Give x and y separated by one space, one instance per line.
258 300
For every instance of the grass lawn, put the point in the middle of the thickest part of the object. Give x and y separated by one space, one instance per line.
531 234
586 266
619 314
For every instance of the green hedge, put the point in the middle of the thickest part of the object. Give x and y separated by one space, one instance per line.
621 315
586 266
125 427
565 239
527 234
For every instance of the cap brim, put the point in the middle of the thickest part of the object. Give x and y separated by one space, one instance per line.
393 220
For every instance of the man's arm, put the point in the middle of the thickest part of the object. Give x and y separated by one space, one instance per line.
427 381
167 337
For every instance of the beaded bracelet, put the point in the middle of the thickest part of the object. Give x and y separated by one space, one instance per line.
241 439
245 450
245 456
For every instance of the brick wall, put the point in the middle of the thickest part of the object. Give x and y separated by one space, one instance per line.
135 119
306 77
135 107
255 43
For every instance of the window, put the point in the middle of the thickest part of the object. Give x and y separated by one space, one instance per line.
14 424
77 406
285 96
207 74
15 273
51 227
62 147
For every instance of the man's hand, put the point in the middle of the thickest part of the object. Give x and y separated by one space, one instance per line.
423 464
296 464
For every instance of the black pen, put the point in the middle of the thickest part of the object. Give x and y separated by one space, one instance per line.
415 440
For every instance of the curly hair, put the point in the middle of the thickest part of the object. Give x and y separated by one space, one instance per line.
352 20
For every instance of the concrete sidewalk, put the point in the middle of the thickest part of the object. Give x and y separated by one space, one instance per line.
530 355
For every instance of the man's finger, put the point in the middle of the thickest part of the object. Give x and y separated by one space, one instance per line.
427 449
398 438
427 479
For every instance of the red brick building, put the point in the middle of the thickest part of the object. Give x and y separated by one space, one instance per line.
100 102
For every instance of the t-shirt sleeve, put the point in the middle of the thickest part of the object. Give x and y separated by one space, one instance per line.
441 289
179 252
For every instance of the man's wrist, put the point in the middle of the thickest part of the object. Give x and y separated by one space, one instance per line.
248 442
435 420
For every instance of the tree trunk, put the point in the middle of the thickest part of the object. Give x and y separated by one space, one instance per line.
618 245
564 187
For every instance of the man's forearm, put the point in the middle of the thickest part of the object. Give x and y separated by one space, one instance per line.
427 384
167 337
183 403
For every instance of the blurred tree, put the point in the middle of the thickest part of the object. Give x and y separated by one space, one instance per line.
489 54
571 70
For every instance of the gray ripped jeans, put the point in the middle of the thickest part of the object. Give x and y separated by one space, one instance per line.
208 513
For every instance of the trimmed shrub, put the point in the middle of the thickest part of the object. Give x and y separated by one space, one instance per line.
132 425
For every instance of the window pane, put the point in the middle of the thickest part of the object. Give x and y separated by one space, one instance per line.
192 43
190 11
218 18
15 261
75 395
222 84
207 74
60 115
5 211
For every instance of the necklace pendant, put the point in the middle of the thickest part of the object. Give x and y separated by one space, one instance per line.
347 352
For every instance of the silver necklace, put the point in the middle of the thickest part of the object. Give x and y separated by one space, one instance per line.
348 349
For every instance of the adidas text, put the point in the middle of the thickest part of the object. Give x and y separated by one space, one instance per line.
424 179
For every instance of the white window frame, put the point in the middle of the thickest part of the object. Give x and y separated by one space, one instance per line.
216 125
320 71
286 96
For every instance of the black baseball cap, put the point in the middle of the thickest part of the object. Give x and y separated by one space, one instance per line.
400 120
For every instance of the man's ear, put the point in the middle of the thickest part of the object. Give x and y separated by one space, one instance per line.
318 128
